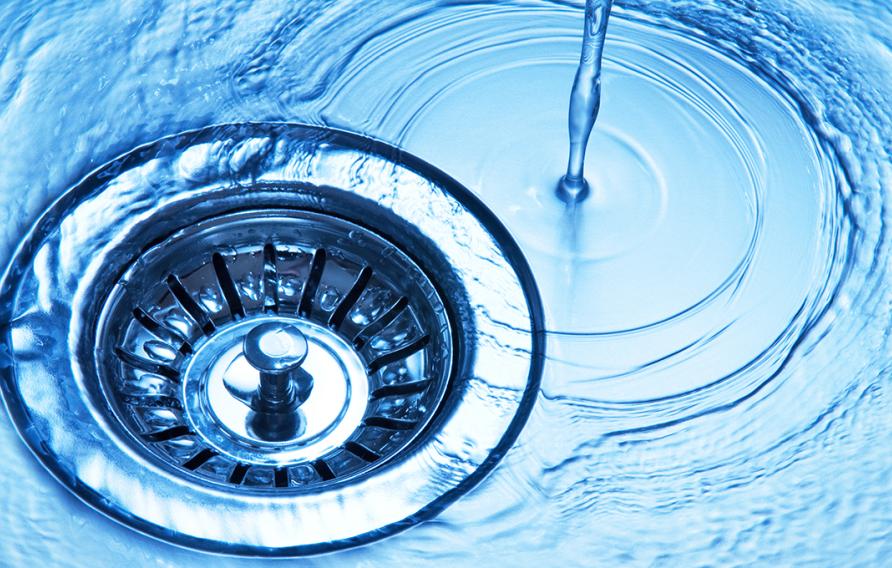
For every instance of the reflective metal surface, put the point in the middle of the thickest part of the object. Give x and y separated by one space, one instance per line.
190 381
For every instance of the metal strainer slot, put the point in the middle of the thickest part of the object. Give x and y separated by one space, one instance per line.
269 339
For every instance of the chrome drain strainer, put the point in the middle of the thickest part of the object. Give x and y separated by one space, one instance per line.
274 349
269 339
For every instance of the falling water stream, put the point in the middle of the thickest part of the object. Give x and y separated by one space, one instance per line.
718 317
585 99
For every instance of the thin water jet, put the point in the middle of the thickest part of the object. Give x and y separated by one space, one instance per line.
585 100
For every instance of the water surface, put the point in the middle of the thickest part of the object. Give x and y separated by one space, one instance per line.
717 383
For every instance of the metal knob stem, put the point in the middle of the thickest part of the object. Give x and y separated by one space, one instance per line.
277 351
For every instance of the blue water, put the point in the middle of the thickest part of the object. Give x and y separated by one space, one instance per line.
717 389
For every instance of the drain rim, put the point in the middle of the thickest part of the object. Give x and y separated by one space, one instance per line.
451 191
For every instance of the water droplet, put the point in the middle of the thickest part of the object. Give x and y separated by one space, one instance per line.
401 329
210 298
159 418
159 351
288 285
217 466
302 473
250 286
181 444
381 344
178 322
330 298
392 406
230 252
259 476
145 384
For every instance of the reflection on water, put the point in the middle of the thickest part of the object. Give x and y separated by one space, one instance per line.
716 388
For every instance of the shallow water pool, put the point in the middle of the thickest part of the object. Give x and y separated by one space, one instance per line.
716 390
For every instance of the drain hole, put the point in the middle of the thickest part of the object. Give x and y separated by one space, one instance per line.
199 459
324 470
281 477
312 284
237 476
389 423
227 286
362 452
270 279
168 434
340 352
400 389
291 349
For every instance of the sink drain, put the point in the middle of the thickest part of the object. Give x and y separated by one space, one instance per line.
312 356
269 339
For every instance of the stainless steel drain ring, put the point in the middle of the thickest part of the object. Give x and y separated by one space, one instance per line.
133 306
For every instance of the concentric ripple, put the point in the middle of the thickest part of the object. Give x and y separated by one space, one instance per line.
716 234
719 309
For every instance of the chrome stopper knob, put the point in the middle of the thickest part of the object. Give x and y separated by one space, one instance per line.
277 351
